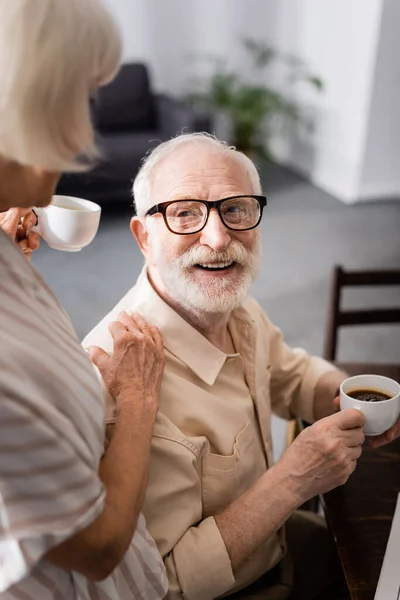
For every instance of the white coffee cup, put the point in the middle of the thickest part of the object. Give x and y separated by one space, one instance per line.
68 223
379 416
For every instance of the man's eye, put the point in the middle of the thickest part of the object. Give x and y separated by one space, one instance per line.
185 214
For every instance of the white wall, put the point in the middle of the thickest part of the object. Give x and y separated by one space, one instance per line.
167 33
380 176
339 39
353 151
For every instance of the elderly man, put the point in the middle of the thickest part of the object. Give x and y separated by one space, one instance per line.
222 514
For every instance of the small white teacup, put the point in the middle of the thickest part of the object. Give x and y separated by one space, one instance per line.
380 415
68 223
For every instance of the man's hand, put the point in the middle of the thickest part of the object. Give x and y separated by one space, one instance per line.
377 441
16 222
321 458
324 455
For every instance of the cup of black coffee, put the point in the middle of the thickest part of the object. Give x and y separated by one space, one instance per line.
377 397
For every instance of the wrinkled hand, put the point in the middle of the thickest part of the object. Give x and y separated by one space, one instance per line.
16 222
324 455
377 441
133 372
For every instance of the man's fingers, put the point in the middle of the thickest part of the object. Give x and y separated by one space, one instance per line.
378 440
336 403
381 440
355 437
355 453
349 418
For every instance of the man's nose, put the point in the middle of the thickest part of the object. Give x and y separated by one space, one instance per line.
215 234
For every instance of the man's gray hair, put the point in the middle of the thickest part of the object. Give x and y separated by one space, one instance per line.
142 183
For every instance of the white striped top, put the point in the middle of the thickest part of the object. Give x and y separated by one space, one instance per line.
51 443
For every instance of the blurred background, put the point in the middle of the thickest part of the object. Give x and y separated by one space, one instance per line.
310 90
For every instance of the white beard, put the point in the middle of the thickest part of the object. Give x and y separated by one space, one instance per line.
220 295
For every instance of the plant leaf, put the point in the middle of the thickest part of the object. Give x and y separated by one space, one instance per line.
317 82
254 108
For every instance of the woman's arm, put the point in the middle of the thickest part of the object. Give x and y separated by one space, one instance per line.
132 375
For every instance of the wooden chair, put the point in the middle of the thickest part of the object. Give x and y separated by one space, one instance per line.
338 317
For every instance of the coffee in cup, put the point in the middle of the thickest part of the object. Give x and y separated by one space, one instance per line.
367 395
68 223
377 397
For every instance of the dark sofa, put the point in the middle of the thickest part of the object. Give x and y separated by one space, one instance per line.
129 119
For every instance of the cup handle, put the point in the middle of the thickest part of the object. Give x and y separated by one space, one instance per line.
36 228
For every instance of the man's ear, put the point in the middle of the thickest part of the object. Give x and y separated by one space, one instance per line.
140 233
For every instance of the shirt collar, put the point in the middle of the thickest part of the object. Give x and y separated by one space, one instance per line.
180 338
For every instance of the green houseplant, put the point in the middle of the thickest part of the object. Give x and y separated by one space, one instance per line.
252 108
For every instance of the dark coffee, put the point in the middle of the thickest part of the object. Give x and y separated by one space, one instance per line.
369 395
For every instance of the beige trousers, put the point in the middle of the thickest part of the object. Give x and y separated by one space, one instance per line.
310 571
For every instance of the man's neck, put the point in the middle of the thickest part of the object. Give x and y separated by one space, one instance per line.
213 326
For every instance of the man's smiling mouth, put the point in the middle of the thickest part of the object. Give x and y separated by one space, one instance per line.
222 266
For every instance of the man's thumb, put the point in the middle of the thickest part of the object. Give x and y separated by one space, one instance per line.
349 418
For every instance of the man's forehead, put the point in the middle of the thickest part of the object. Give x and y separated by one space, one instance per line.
195 172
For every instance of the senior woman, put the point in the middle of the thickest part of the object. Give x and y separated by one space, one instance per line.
70 522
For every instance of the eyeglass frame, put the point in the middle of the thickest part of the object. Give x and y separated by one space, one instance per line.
161 208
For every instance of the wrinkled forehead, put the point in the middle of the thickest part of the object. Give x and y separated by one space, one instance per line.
199 172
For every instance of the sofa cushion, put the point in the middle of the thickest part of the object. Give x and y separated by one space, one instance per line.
122 152
127 102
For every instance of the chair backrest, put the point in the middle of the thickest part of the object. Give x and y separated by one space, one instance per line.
127 103
337 317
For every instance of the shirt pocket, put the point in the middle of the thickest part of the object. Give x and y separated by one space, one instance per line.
225 478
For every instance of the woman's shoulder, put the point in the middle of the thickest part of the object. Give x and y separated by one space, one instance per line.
13 264
20 283
44 368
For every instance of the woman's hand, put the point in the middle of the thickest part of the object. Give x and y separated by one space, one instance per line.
16 222
133 372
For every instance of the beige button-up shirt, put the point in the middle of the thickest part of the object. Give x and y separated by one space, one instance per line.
212 437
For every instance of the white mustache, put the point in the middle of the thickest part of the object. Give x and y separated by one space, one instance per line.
235 252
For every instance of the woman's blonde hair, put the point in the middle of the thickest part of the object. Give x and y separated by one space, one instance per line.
53 56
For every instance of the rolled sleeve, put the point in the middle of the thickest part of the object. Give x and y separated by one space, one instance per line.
202 562
293 376
303 405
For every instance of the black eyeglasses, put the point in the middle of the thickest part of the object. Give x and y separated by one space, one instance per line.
185 217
